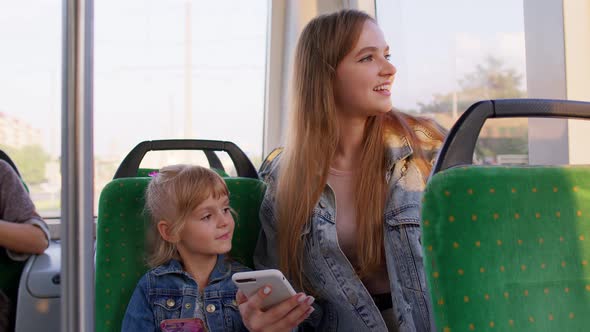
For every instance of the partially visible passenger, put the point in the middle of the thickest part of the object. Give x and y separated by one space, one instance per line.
22 231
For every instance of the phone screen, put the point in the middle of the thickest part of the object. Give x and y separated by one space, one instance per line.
182 325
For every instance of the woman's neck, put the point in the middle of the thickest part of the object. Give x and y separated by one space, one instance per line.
350 143
200 268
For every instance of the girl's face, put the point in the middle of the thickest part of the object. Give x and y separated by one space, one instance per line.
208 231
364 76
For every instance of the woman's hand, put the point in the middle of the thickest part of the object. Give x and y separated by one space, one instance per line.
284 316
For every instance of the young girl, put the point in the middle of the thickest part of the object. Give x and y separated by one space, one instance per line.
341 214
191 278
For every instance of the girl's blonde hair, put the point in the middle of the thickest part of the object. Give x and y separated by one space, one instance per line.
312 140
172 195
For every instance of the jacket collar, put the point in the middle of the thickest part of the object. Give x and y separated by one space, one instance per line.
221 270
398 148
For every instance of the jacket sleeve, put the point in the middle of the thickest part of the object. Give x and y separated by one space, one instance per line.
431 145
266 251
139 315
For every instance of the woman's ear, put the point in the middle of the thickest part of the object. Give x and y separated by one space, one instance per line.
164 229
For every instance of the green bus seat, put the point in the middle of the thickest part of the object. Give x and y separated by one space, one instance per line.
507 248
121 229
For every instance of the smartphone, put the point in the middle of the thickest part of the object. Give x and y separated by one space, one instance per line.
250 282
183 325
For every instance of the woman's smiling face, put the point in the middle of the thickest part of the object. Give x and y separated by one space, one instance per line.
364 77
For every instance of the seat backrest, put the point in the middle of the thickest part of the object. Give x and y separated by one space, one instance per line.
121 230
508 248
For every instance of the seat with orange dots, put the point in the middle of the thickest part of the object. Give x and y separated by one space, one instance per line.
507 247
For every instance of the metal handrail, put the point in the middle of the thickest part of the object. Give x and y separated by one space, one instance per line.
77 269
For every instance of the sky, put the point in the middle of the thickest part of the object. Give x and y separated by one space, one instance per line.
139 88
435 43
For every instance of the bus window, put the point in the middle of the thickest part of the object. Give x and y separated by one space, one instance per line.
177 69
451 54
30 96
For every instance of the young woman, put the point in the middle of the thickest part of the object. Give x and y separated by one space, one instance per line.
191 278
341 215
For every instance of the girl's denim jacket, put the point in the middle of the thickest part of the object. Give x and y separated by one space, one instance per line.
343 302
168 292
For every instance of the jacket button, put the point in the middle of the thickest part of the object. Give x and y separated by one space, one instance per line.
234 303
170 303
188 305
353 299
322 205
210 308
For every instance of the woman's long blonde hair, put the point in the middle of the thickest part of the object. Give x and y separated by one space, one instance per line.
172 195
312 140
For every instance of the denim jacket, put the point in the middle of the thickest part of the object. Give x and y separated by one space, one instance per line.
168 292
343 302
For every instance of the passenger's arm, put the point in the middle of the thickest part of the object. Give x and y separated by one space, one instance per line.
22 230
139 315
26 238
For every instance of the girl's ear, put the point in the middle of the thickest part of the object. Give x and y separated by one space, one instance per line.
164 229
